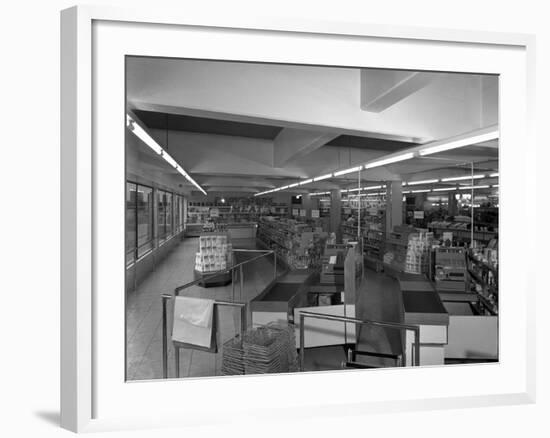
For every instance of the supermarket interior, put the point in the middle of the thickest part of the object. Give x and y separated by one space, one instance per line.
289 218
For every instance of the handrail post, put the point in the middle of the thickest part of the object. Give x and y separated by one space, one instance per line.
414 328
241 280
274 265
417 347
302 336
243 321
165 299
233 283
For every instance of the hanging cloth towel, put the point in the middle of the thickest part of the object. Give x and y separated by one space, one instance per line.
194 323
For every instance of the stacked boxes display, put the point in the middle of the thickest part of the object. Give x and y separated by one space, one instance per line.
215 253
408 250
418 253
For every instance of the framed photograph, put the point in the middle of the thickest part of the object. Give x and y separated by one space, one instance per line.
312 217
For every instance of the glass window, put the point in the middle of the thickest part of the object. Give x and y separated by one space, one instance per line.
161 214
164 215
177 206
130 222
144 207
169 213
181 216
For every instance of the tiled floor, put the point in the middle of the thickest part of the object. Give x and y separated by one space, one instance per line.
144 307
143 316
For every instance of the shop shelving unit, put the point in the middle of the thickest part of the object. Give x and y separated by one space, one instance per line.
229 215
297 244
373 218
460 230
483 279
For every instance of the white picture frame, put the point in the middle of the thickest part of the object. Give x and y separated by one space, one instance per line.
93 397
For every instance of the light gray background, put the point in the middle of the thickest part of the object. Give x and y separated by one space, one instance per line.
30 178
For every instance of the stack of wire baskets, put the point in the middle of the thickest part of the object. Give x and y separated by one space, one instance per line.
266 349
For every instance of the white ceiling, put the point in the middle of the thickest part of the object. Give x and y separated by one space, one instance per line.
312 105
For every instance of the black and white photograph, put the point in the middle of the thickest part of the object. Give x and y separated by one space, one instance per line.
289 218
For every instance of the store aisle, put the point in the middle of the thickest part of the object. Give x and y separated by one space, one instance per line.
144 329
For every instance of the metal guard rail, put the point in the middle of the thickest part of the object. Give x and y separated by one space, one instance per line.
177 290
394 325
233 268
165 299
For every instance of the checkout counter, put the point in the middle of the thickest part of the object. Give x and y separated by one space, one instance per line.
450 330
303 290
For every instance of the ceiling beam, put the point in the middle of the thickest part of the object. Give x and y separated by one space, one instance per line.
291 143
380 89
279 122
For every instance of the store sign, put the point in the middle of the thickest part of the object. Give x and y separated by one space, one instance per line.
314 213
302 212
419 214
347 210
214 212
295 212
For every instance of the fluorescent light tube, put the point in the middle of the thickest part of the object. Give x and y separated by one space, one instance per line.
462 178
466 140
473 187
307 181
293 185
140 133
444 189
493 175
372 187
319 193
322 177
346 171
494 185
426 181
421 191
389 160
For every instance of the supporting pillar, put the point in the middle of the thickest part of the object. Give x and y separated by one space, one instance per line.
307 204
452 204
394 204
336 214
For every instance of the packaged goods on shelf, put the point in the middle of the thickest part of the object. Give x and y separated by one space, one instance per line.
408 249
298 244
462 230
215 253
418 253
482 265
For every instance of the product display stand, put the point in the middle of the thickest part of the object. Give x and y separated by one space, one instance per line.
215 255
